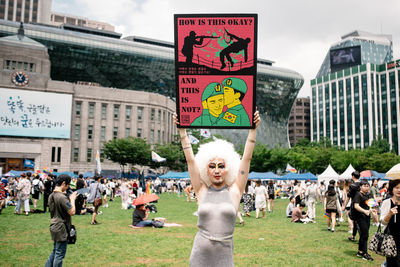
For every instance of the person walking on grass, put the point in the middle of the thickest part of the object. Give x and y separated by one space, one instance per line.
260 193
311 195
23 193
37 188
219 178
362 213
61 209
353 189
271 195
95 197
330 207
247 200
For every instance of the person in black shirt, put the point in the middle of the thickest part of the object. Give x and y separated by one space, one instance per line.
361 215
80 183
140 216
48 189
353 189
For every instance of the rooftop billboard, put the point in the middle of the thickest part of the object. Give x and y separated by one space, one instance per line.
346 57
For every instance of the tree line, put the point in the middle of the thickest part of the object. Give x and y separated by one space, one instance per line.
305 156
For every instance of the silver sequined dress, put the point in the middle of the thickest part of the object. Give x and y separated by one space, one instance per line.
213 244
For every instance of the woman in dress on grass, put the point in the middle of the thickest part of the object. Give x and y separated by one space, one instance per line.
218 177
330 207
261 199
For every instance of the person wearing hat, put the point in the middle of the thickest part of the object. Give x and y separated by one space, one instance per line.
212 100
234 91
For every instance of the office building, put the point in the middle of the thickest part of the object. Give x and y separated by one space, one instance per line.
58 19
299 120
37 11
355 105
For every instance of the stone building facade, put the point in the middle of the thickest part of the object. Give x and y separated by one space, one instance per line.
98 114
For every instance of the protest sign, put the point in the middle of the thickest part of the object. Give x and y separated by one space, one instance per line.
215 70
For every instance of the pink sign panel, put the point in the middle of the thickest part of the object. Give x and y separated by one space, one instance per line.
215 70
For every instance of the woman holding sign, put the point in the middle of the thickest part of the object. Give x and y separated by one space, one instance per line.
218 177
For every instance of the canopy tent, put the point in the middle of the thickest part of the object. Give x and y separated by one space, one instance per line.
290 176
175 175
394 172
299 176
70 174
263 176
13 173
371 174
347 173
307 176
88 174
328 174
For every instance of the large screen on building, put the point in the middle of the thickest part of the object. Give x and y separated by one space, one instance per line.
35 114
343 58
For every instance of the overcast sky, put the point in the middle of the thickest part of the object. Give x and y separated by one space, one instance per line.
295 34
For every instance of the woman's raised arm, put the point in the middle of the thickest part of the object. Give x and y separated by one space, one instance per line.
244 167
194 171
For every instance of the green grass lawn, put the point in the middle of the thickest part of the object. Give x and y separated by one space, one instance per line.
274 241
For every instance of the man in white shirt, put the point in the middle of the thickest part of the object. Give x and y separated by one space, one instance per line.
290 207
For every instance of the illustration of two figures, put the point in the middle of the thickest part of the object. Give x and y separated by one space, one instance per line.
239 44
216 96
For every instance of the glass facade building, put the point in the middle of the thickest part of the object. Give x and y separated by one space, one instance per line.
148 65
375 49
367 106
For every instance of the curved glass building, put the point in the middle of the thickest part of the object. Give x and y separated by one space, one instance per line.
147 65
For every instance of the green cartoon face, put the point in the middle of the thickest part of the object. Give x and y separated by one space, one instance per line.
229 95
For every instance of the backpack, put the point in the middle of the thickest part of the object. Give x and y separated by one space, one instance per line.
354 188
36 187
157 224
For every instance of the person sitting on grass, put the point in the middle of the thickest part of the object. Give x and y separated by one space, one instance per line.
297 214
290 207
80 205
140 216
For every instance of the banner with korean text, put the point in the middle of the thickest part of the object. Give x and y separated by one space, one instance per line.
35 114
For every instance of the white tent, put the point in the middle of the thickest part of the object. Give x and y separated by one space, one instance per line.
394 172
347 173
327 175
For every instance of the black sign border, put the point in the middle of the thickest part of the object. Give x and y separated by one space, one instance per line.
176 50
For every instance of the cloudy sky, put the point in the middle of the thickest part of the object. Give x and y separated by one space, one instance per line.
296 34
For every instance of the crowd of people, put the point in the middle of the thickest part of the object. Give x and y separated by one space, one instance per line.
355 200
358 200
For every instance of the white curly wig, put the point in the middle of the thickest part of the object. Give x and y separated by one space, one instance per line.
218 149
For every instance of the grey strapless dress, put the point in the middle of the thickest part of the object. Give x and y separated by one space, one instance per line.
213 244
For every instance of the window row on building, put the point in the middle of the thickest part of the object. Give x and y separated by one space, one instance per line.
97 122
354 106
19 65
155 115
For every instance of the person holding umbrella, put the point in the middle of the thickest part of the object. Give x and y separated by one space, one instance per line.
219 178
141 213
